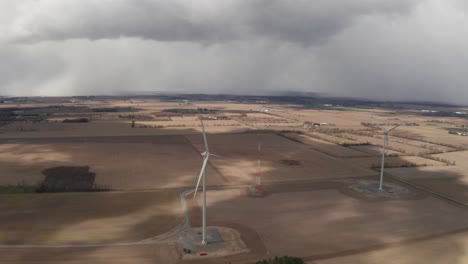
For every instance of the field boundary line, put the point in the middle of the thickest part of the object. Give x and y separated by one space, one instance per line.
427 190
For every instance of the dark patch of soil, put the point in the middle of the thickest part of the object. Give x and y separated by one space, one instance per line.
291 162
68 179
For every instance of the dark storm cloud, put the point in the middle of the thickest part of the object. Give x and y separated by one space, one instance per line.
302 21
307 22
380 49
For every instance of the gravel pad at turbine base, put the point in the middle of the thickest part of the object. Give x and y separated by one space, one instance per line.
369 190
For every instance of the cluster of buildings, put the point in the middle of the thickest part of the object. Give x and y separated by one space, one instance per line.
217 117
459 133
263 110
309 125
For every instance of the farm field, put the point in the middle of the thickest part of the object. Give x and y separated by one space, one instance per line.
430 146
111 170
435 134
393 145
327 147
374 150
294 220
450 181
87 218
333 138
252 139
342 119
120 163
400 161
451 248
98 128
186 123
281 159
144 254
459 157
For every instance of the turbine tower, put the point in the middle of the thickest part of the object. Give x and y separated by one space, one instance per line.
258 180
384 151
202 177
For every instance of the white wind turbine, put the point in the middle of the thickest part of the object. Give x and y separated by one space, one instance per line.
258 180
206 155
384 151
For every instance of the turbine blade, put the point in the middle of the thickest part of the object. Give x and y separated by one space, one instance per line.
394 128
204 135
216 155
205 161
386 144
381 127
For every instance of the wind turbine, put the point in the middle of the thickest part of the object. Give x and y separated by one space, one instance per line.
259 169
384 151
258 180
206 155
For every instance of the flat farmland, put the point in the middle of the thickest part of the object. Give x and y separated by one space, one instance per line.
120 163
400 147
426 145
141 254
281 159
327 147
252 139
190 123
350 119
452 248
227 106
451 181
262 120
374 150
322 222
258 117
333 138
435 134
87 218
308 209
459 157
92 129
400 161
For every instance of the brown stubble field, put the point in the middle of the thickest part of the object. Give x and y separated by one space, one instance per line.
147 166
451 248
87 218
317 221
141 254
451 181
120 163
240 155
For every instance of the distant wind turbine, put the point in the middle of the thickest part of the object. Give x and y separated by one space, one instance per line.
258 180
384 151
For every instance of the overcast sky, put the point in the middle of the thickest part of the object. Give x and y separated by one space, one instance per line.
378 49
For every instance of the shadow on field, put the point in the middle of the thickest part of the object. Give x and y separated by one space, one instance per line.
321 223
314 220
442 180
141 254
68 179
317 221
124 216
